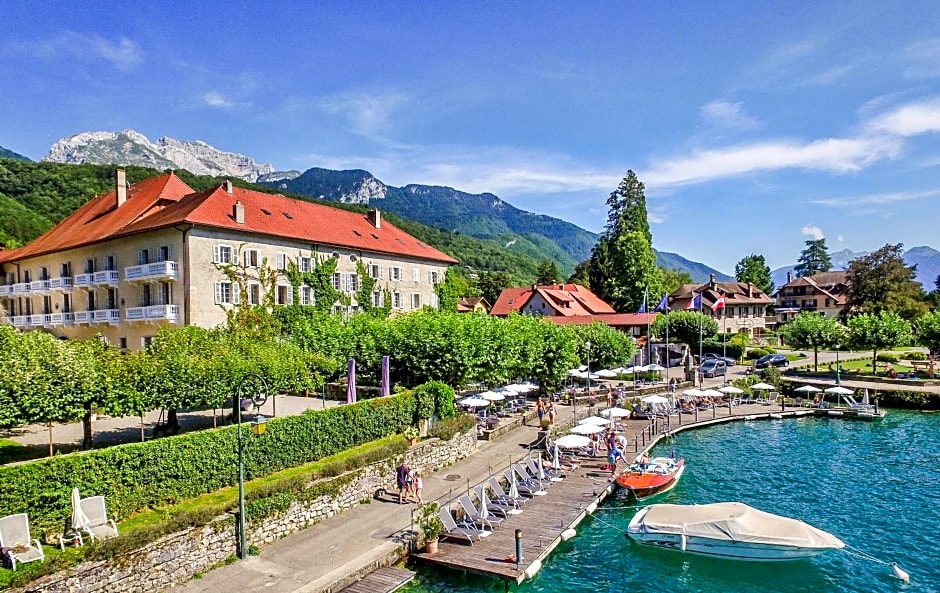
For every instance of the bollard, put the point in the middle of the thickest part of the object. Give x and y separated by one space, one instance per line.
518 547
696 413
714 410
730 411
783 404
636 445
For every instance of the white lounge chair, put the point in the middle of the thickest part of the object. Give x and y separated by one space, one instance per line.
99 526
502 496
771 399
14 535
854 405
501 506
471 513
454 531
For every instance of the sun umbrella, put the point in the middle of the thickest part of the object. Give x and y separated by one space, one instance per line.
605 374
762 386
79 518
865 398
655 399
572 441
385 383
808 389
615 412
351 382
588 428
838 389
473 402
711 393
575 373
593 420
692 392
654 368
491 396
731 389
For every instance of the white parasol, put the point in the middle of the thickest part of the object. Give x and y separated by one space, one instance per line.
762 386
473 402
79 518
589 428
838 390
731 389
593 420
615 412
809 389
492 396
692 392
572 441
655 399
711 393
654 368
606 374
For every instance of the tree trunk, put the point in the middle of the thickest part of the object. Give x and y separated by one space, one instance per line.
50 439
171 417
816 359
874 362
86 428
142 435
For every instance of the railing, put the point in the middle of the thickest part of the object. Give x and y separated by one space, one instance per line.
21 288
106 277
169 313
82 316
19 320
63 283
106 315
84 280
39 286
34 320
6 289
158 270
58 319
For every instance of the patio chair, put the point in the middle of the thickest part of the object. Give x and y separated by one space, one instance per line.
99 526
525 488
14 536
454 531
530 478
500 494
502 509
854 405
471 513
550 473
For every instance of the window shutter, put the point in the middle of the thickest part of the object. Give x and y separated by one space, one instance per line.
218 293
217 253
236 293
290 295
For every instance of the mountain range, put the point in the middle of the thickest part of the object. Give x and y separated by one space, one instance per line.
927 260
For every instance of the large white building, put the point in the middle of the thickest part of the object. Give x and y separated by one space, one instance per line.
149 254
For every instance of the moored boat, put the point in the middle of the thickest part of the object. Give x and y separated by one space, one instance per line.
657 476
730 530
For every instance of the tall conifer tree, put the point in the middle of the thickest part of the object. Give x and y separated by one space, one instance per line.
813 259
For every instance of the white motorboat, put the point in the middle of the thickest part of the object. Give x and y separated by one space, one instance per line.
730 530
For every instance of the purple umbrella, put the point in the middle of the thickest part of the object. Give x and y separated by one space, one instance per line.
351 382
386 386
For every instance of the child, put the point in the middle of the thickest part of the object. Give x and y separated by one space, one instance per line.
418 485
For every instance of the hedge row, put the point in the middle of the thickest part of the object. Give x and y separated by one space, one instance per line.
164 471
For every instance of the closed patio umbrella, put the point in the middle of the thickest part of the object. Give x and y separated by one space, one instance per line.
351 381
79 518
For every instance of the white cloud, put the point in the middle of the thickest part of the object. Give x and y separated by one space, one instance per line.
835 155
370 114
911 119
813 231
216 99
124 53
728 115
882 199
924 59
840 239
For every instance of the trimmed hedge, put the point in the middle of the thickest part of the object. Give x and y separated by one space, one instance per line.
915 355
888 357
168 470
730 350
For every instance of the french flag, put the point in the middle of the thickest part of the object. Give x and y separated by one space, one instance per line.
719 304
695 303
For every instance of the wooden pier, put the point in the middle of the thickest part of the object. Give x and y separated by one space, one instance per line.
381 580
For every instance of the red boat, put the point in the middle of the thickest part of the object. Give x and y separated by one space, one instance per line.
658 475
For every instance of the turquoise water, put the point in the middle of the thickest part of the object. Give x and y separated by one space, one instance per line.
875 485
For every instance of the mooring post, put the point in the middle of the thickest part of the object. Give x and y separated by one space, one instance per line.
783 404
518 548
714 411
696 413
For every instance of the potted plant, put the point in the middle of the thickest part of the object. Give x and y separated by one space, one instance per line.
431 526
411 433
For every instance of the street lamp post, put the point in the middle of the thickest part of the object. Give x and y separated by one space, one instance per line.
574 402
257 427
838 370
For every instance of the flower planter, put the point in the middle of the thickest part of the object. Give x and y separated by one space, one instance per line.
431 546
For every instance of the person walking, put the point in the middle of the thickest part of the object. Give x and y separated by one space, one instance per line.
551 413
540 409
401 477
418 485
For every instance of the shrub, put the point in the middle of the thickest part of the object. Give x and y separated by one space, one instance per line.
713 346
770 375
446 429
755 353
915 355
770 350
888 357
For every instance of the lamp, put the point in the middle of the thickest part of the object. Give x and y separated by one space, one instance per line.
257 427
838 373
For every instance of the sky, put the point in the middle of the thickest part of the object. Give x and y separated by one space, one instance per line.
755 126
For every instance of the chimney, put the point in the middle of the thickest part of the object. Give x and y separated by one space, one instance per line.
789 277
375 217
228 186
238 210
711 281
120 187
750 290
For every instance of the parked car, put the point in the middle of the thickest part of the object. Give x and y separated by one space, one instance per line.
772 360
727 359
713 368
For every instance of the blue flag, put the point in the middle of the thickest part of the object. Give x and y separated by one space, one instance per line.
663 304
642 308
695 303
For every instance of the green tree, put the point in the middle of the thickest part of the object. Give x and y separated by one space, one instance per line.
547 273
623 263
491 284
881 281
814 331
674 279
928 330
879 331
754 269
814 258
581 274
685 327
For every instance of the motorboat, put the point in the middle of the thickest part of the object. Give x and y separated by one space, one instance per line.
730 530
657 476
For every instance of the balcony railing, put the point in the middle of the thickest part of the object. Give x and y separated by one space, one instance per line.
84 280
53 319
106 278
82 316
63 283
21 288
152 313
34 320
105 316
164 270
6 290
39 286
18 320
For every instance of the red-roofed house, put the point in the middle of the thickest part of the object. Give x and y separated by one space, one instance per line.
825 293
745 305
147 255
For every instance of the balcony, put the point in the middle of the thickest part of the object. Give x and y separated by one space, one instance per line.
164 270
18 321
21 288
154 313
60 284
82 316
84 280
6 290
59 319
105 278
112 316
34 320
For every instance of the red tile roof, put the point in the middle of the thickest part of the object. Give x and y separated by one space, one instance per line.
264 214
613 320
100 218
566 300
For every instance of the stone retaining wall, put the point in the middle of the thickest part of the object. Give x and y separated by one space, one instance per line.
177 557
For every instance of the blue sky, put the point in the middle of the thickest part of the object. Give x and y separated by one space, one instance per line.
755 126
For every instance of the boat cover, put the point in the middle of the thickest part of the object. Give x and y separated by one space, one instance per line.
734 521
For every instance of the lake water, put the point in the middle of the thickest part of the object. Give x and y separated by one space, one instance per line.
875 485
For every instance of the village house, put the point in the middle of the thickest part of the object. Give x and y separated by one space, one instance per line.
738 307
824 293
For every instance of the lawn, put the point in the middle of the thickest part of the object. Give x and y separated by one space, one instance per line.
11 451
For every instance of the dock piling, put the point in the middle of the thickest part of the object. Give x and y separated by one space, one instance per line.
518 548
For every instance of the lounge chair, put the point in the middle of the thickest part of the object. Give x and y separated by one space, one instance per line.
471 513
454 531
529 478
525 488
14 536
99 526
502 496
550 473
495 505
771 399
854 405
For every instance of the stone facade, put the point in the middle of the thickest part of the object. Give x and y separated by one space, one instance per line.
177 557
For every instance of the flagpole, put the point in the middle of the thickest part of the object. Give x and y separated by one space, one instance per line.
668 358
649 341
701 376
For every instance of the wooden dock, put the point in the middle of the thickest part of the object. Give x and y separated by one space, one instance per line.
381 580
543 522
